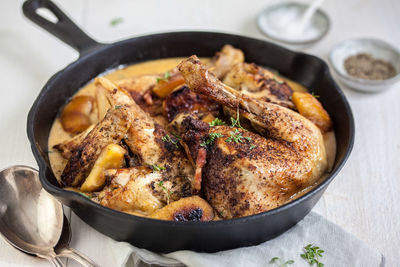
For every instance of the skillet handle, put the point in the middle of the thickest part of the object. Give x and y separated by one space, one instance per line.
65 29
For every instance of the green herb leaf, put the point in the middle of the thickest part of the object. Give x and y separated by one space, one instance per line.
274 259
114 22
252 146
314 95
157 168
117 107
166 138
85 195
177 136
235 136
278 261
312 254
236 122
277 80
161 184
211 138
167 75
216 122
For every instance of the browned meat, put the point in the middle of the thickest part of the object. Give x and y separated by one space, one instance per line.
184 100
224 60
110 130
260 83
246 173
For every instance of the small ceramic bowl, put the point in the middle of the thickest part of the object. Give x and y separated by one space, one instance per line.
376 48
267 18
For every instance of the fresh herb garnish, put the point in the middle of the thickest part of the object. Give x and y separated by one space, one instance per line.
157 168
235 136
167 75
166 138
281 263
211 138
176 136
252 146
314 95
312 255
216 122
85 195
116 21
117 107
248 138
236 122
277 80
161 184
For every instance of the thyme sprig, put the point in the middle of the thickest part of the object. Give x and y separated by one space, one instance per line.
314 95
277 80
114 22
168 192
281 263
85 195
216 122
312 254
167 75
235 136
236 122
157 168
211 138
166 138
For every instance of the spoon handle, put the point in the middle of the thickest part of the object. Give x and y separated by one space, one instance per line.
53 259
77 256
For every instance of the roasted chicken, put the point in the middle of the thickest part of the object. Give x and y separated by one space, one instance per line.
247 173
224 137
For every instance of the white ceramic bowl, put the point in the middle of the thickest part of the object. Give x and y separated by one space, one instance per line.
320 22
378 49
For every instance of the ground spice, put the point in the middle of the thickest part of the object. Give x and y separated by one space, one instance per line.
365 66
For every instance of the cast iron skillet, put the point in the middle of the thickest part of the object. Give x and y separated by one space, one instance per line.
167 236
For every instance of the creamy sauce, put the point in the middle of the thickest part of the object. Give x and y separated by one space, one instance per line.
58 135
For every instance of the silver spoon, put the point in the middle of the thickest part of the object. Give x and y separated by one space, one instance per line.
31 219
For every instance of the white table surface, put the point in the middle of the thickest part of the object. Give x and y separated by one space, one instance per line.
364 198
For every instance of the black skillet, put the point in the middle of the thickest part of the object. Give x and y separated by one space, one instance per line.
167 236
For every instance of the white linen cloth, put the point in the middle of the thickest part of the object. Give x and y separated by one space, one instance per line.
341 249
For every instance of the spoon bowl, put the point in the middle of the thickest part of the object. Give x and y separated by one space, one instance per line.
30 218
33 220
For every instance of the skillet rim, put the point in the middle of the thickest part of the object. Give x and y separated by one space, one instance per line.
74 196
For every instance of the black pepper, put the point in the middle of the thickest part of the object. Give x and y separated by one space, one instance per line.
365 66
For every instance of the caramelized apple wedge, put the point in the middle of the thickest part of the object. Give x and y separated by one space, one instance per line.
311 108
110 158
165 86
185 209
75 115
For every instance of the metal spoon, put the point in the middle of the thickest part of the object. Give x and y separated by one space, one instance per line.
31 219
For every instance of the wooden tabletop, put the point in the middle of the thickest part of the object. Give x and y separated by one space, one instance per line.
363 199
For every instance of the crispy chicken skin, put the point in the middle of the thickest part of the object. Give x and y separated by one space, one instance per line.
66 148
260 83
140 189
162 160
239 180
183 100
225 59
110 130
126 120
